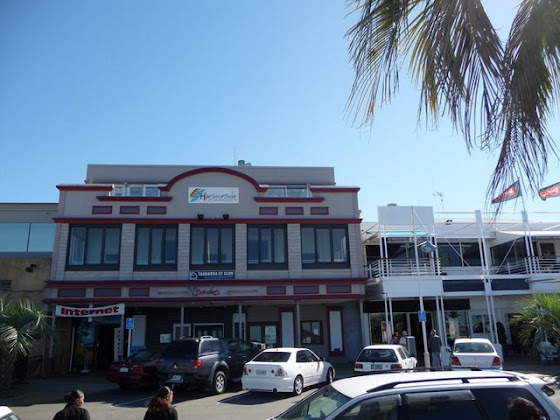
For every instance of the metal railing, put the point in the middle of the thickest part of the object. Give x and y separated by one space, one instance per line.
389 268
432 267
530 265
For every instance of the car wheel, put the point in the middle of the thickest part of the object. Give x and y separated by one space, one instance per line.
298 385
330 376
219 383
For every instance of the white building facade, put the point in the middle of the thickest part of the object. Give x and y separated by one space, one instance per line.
469 273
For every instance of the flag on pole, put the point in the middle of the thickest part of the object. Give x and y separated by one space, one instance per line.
511 192
550 191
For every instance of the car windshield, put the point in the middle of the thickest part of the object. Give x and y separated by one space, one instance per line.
272 356
473 348
377 355
141 355
180 349
316 406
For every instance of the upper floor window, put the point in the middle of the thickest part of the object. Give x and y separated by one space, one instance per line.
288 191
94 247
26 237
156 247
459 254
136 190
212 246
266 246
324 245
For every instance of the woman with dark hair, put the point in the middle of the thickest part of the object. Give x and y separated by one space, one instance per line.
73 409
160 408
523 409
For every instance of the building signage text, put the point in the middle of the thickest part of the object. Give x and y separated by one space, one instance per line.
68 311
213 195
211 275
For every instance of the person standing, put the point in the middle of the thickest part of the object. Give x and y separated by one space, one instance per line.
160 408
73 409
434 346
402 341
395 339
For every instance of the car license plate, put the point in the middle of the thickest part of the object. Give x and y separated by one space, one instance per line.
376 367
123 369
261 372
176 378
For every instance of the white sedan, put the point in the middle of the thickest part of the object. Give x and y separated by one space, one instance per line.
285 369
383 357
475 353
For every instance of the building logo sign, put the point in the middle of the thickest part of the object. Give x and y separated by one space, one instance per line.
211 275
68 311
213 195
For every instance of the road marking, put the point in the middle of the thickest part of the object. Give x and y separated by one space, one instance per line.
127 403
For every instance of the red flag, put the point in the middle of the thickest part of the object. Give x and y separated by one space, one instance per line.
550 191
509 193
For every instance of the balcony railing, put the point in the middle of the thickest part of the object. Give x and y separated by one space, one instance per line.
530 265
390 268
432 267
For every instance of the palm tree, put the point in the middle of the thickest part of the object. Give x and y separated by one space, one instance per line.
498 96
538 319
21 324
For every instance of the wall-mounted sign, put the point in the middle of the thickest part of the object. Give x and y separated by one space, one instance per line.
211 275
213 195
68 311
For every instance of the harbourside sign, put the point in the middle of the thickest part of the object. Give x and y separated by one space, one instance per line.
213 195
68 311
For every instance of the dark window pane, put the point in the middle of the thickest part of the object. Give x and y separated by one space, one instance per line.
77 246
112 246
171 246
142 246
227 246
340 251
197 245
308 245
266 245
157 238
212 245
94 246
449 255
252 245
471 254
279 246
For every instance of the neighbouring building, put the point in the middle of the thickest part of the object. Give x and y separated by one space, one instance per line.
26 244
469 273
145 254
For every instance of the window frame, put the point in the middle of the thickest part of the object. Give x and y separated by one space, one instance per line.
319 339
316 240
268 265
206 263
85 266
163 266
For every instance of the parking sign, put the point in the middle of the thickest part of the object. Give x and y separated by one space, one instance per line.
129 323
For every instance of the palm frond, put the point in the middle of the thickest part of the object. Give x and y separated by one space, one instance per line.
375 51
532 74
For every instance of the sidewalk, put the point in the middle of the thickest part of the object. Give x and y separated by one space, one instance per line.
52 390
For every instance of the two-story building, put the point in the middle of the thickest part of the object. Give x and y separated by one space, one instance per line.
145 254
465 274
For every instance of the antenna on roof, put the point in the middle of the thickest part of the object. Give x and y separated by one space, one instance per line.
440 195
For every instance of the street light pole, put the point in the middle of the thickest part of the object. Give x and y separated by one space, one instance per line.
424 335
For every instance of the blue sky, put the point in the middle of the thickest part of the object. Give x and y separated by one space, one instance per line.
209 83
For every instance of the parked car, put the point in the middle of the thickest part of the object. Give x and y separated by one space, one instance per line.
205 361
458 395
286 369
475 353
139 369
7 414
382 357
